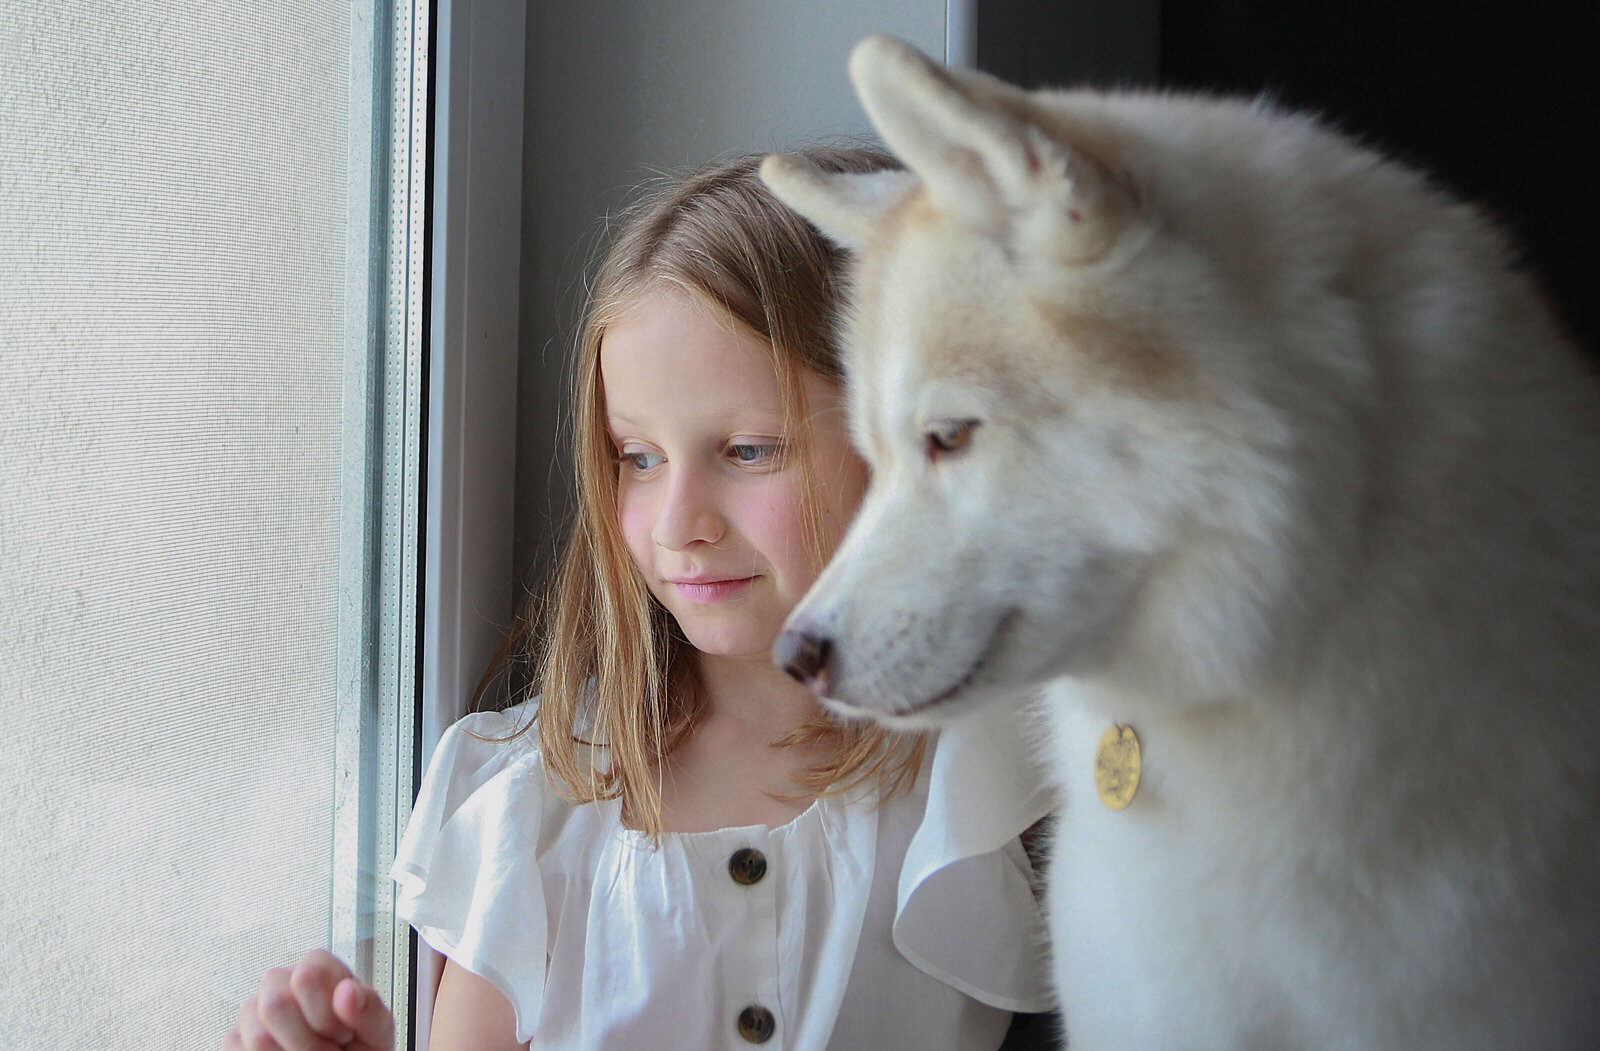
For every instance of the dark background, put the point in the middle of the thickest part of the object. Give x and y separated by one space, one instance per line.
1497 99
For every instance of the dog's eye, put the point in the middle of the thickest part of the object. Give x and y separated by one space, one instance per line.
947 436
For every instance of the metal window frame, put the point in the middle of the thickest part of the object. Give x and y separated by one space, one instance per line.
430 423
381 527
961 33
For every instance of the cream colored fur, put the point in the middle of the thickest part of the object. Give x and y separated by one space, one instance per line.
1263 446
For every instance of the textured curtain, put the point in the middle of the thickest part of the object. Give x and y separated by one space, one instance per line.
176 274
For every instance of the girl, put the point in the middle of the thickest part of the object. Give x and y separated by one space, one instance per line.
672 847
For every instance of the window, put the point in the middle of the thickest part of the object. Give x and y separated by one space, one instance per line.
212 310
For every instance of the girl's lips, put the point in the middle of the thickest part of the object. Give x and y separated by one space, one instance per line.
711 590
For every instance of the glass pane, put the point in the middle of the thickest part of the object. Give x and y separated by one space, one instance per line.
208 370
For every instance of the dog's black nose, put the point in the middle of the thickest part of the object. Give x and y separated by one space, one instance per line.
804 655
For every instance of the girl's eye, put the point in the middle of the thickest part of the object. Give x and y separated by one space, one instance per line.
754 453
640 462
943 437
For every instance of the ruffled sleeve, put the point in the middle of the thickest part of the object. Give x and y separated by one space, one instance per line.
966 911
468 864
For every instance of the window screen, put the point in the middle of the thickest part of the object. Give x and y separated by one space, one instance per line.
210 289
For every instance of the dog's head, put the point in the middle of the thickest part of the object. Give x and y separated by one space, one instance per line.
1074 467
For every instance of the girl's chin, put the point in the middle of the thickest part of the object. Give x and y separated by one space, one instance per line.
740 647
733 651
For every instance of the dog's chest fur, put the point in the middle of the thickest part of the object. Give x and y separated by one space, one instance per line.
1239 902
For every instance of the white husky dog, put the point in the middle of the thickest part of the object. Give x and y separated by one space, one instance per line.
1260 454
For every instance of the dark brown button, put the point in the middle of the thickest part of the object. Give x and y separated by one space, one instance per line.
756 1024
747 866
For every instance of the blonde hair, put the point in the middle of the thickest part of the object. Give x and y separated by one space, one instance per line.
616 679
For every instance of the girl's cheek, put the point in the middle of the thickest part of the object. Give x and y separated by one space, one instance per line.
845 486
633 518
781 517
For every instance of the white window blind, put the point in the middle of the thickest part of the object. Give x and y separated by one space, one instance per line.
211 287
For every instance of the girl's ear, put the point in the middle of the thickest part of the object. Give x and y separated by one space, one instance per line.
984 155
845 206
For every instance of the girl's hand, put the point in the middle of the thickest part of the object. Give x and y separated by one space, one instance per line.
316 1005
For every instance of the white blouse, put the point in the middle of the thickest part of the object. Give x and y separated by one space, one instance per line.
853 926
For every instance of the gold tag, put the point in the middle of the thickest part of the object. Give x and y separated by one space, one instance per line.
1116 767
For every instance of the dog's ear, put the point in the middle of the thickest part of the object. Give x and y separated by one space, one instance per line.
982 156
845 206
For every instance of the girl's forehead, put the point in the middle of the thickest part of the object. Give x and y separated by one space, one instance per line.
669 345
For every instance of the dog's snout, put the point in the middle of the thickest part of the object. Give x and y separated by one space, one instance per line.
805 655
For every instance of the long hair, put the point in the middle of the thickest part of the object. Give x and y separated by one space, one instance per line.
615 677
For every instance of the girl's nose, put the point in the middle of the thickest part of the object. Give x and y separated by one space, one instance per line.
688 514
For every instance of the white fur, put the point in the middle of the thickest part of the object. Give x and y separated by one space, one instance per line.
1280 461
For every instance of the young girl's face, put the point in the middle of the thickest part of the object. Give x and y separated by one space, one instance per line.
713 513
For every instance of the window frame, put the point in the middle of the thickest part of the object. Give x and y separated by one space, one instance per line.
475 248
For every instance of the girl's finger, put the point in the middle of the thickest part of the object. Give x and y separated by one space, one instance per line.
313 980
363 1011
279 1011
248 1033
